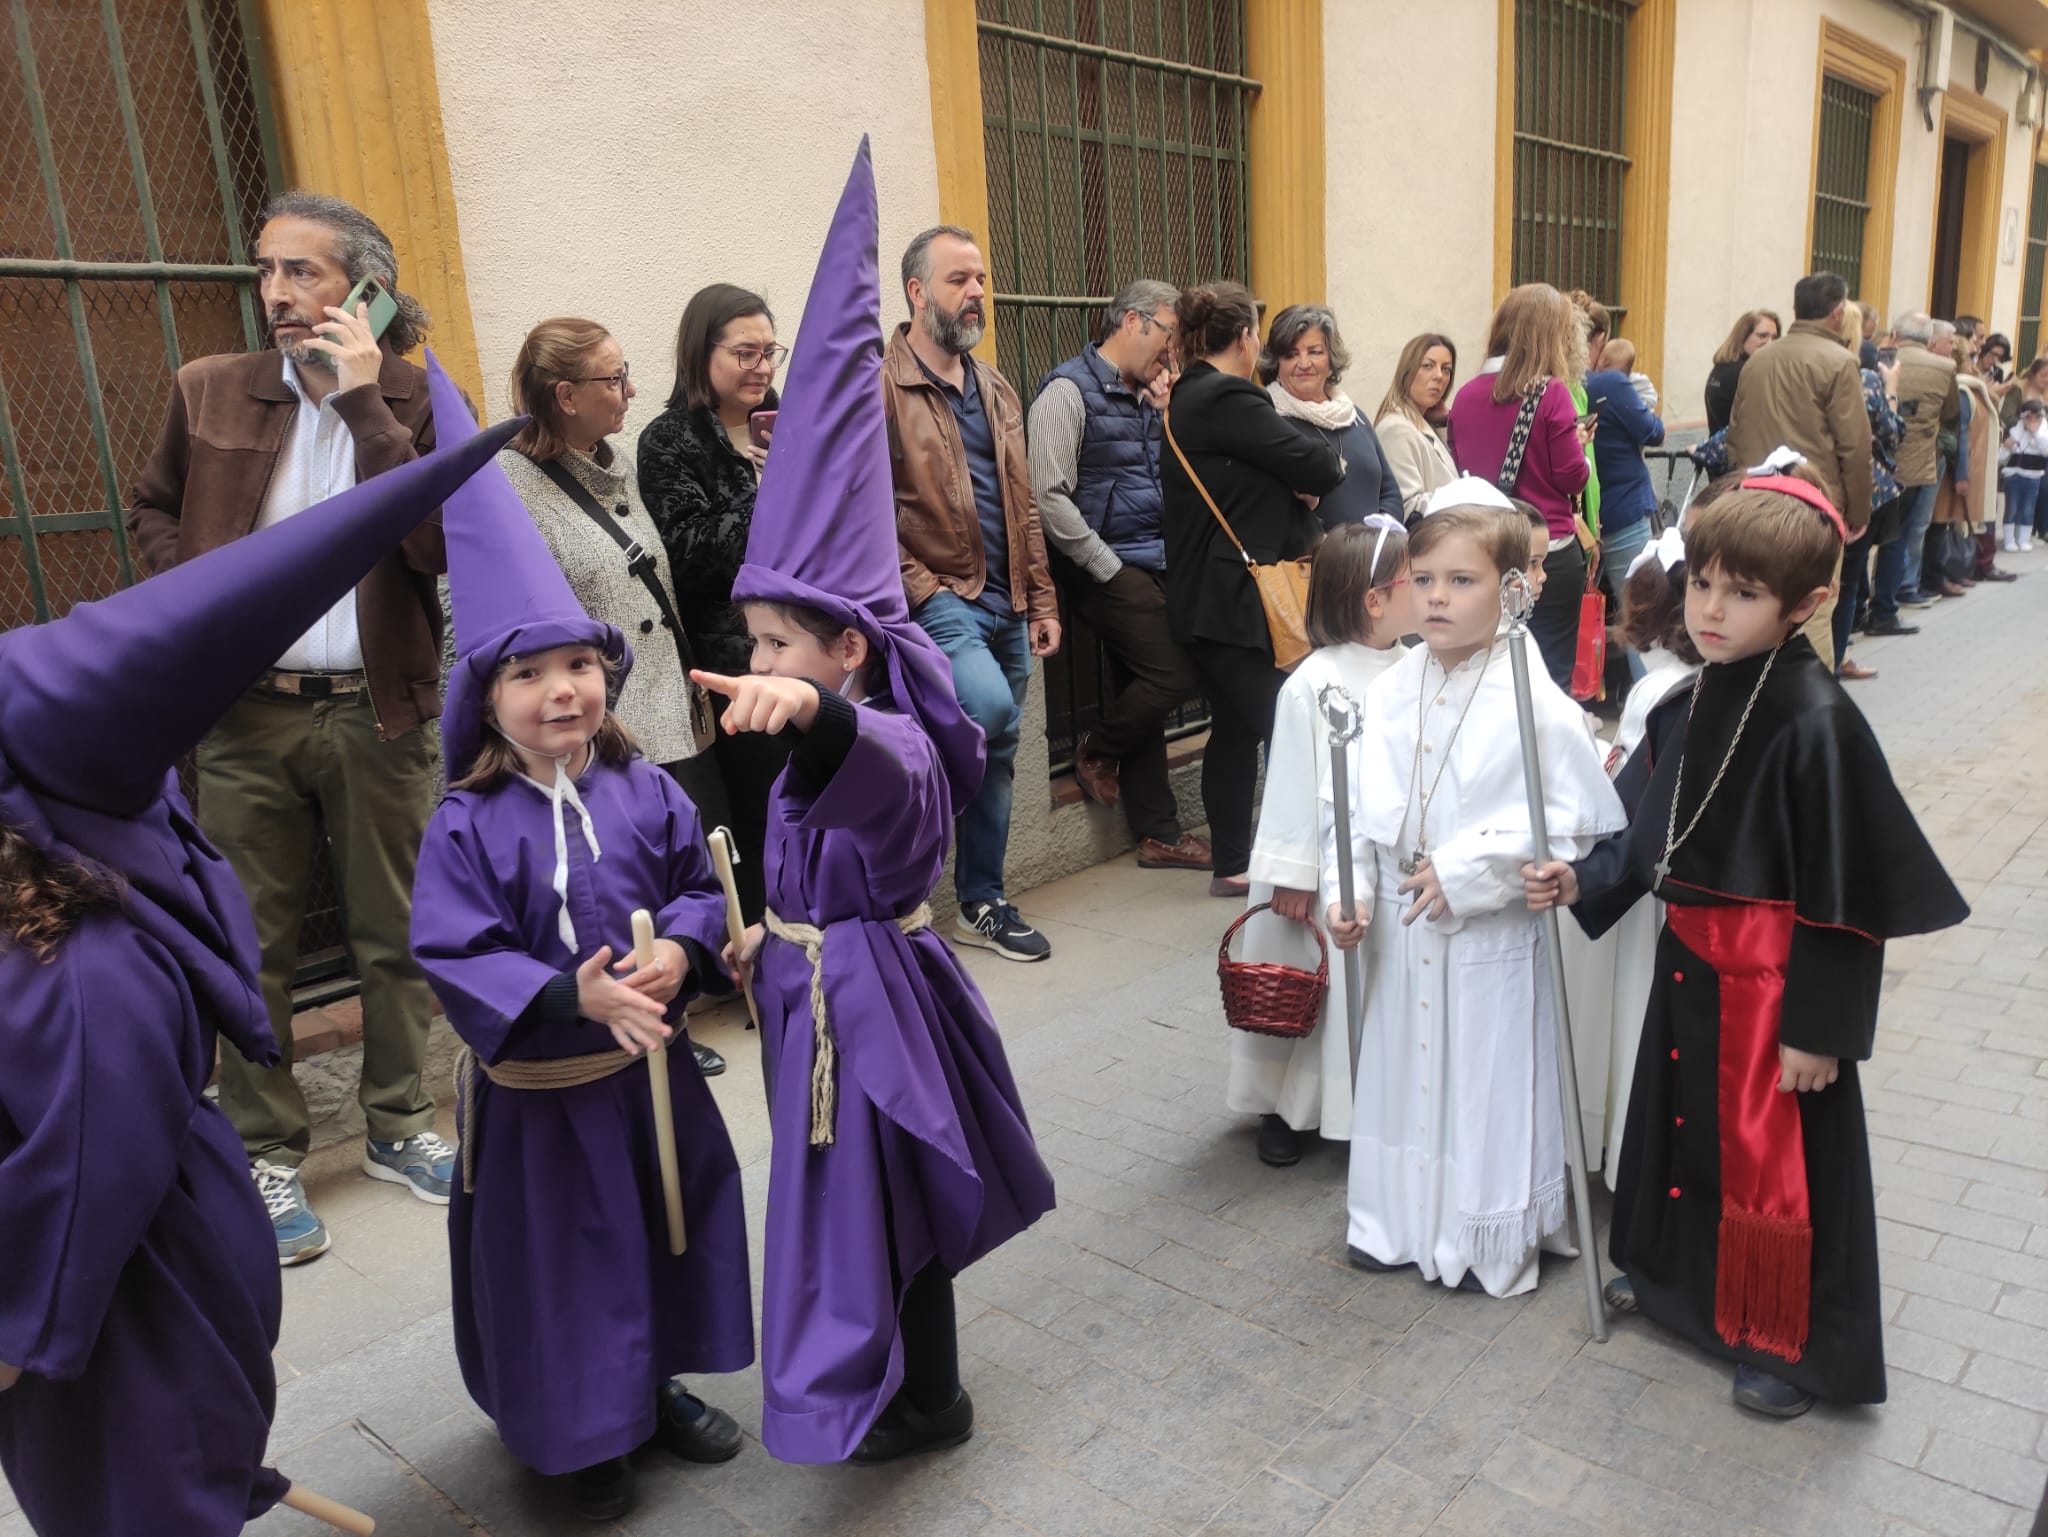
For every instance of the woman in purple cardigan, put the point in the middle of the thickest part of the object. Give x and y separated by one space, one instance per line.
1536 342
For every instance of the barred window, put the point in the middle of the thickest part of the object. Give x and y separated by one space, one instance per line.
1841 186
2037 257
1570 160
1116 144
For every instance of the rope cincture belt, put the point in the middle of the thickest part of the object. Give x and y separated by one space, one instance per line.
825 1056
526 1073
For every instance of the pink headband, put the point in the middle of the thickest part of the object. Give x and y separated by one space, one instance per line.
1806 491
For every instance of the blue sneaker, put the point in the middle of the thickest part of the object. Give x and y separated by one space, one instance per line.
424 1164
300 1235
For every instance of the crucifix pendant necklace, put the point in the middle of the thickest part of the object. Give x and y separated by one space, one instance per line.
1674 840
1419 855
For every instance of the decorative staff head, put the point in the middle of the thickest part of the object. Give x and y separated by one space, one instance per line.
1340 713
1517 601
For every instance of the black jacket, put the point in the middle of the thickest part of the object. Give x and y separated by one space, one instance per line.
1720 393
700 493
1253 461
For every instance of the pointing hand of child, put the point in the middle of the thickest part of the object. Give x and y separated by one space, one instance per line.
633 1018
662 980
1427 887
1554 884
760 702
1804 1072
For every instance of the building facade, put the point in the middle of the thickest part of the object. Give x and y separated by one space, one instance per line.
1404 160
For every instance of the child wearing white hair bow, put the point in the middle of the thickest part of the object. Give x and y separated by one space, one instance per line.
1608 979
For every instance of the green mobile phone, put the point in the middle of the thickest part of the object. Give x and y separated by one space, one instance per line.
383 308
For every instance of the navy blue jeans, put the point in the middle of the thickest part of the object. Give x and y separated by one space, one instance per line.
991 657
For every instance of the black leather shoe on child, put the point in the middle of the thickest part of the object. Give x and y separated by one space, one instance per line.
1761 1393
904 1430
603 1492
692 1429
1279 1143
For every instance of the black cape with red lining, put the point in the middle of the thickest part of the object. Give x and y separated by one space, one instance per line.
1806 815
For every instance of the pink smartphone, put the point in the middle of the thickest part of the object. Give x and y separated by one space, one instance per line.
760 428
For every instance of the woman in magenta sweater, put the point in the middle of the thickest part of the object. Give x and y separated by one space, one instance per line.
1536 343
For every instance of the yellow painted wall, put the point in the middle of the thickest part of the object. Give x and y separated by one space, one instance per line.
359 117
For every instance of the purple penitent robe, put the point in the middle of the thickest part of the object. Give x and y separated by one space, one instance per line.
932 1158
138 1272
570 1312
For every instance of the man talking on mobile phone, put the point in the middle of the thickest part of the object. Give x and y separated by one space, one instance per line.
338 739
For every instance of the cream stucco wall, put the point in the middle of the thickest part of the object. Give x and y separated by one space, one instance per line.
1410 178
611 157
1742 156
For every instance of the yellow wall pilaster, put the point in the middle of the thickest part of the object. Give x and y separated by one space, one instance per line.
1284 52
359 117
953 59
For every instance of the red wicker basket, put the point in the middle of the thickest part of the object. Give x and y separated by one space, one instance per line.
1266 997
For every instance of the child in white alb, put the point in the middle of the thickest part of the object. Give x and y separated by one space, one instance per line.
1457 1145
1355 616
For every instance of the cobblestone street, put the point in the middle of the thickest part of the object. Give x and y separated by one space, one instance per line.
1181 1348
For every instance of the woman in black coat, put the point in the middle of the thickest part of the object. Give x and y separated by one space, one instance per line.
1751 333
700 463
1265 478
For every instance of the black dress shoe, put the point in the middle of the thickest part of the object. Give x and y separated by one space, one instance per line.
1996 575
1360 1260
604 1492
1761 1393
1279 1143
1891 627
904 1430
709 1062
703 1434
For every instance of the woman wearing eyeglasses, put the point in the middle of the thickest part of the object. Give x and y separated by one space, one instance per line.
571 379
700 463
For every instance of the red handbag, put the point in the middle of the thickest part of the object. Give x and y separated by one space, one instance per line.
1589 659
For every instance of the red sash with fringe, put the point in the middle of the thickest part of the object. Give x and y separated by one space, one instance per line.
1763 1286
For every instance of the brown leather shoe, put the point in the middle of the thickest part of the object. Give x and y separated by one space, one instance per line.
1230 887
1095 773
1952 589
1853 672
1191 853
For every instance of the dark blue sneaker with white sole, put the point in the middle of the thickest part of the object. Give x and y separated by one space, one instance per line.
301 1236
424 1164
1000 927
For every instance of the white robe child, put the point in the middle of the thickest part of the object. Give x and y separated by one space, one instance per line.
1457 1147
1608 979
1306 1082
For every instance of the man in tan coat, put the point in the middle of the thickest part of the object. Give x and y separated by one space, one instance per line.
1806 392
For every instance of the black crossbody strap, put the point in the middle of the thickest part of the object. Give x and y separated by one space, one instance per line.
640 560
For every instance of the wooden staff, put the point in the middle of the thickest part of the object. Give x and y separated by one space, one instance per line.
333 1512
664 1111
724 856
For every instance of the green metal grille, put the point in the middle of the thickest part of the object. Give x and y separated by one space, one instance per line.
1116 142
1115 135
1841 182
2037 258
135 152
1570 160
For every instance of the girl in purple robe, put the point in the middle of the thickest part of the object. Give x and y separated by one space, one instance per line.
139 1293
572 1317
901 1151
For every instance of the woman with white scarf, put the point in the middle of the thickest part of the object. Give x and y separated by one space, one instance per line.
1303 360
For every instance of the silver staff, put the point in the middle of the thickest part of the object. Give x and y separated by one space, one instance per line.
1346 722
1516 602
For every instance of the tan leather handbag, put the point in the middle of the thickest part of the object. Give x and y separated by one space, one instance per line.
1282 585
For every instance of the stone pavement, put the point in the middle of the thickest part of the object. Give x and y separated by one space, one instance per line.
1180 1348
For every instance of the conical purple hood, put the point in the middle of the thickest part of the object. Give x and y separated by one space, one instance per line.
507 594
824 526
98 705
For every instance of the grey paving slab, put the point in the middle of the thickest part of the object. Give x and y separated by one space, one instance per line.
1181 1349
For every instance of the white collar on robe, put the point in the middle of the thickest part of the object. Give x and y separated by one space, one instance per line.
560 795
